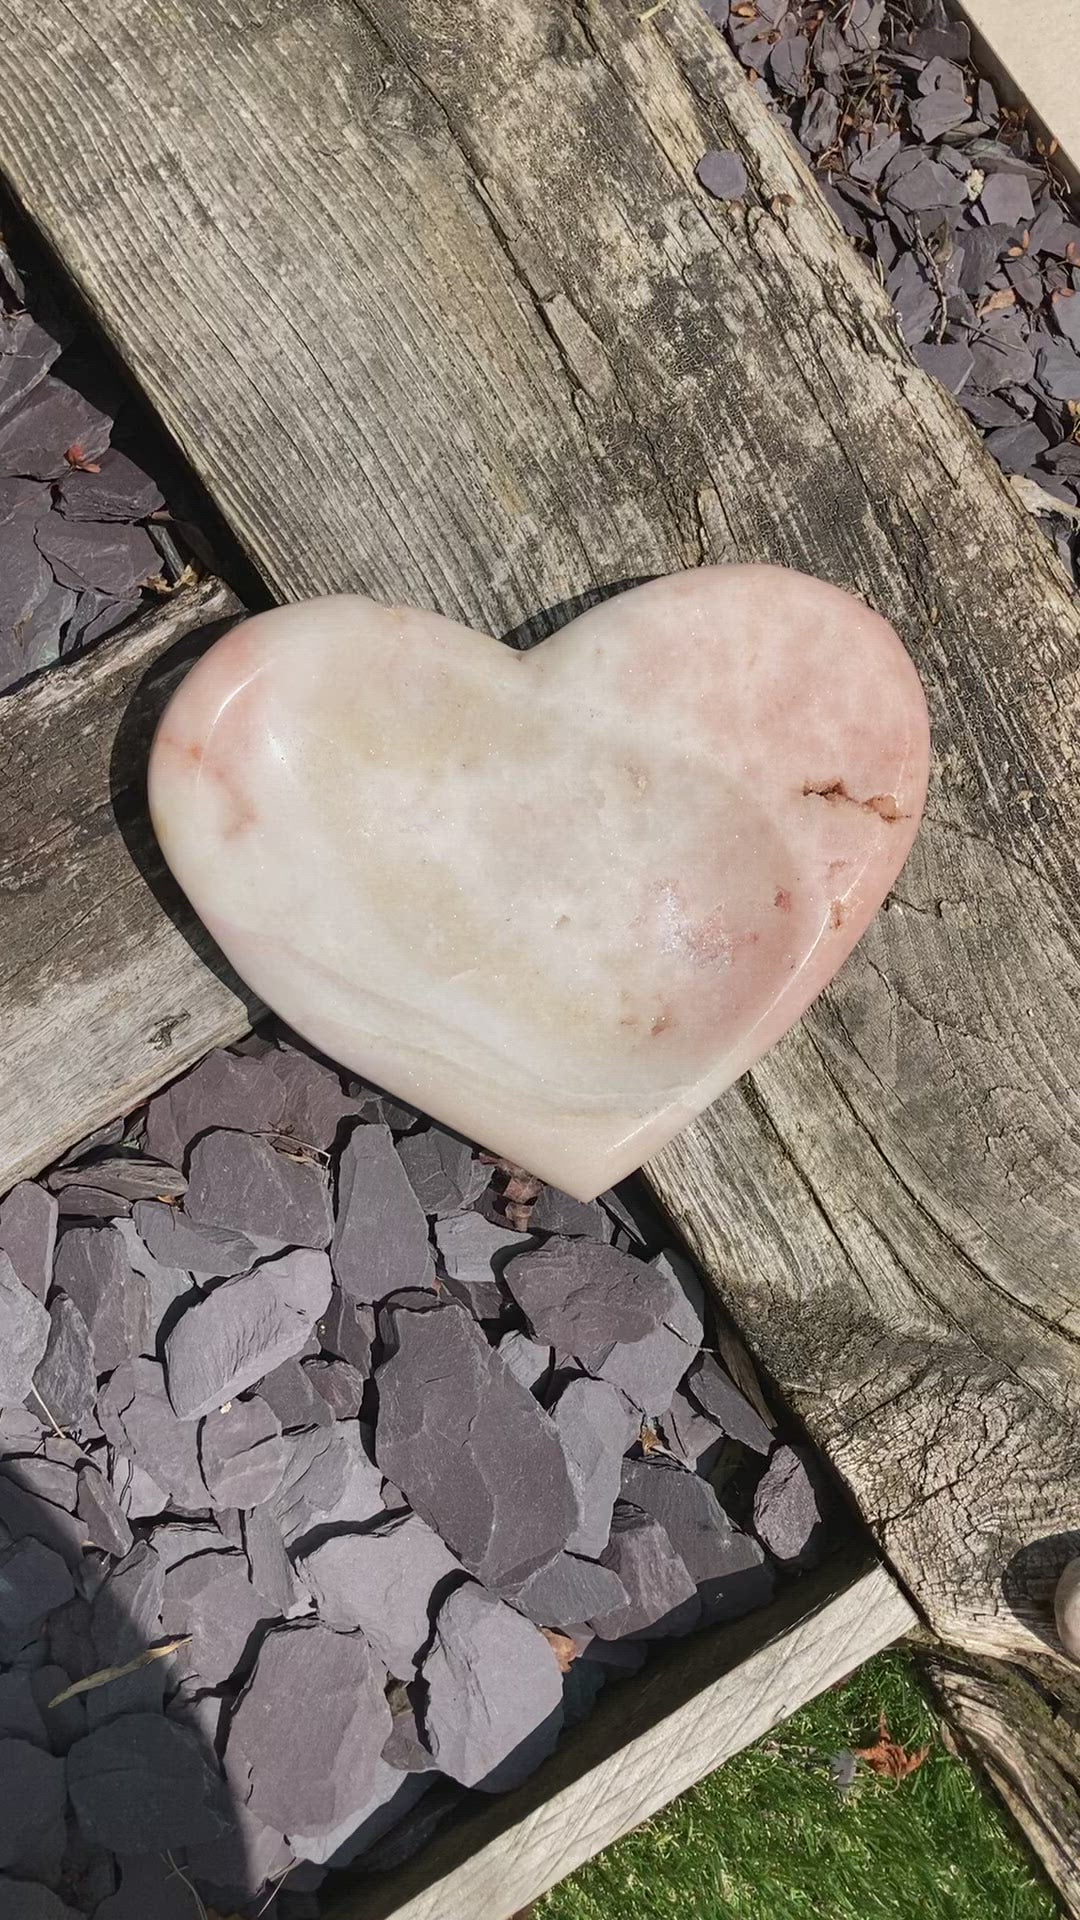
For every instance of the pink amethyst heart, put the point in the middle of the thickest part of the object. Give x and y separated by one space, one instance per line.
561 899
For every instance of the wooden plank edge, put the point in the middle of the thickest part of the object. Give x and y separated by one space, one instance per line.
646 1742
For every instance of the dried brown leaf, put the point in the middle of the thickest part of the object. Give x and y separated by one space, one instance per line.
888 1757
1005 297
564 1649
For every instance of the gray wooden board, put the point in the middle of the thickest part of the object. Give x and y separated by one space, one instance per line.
103 981
699 1702
434 303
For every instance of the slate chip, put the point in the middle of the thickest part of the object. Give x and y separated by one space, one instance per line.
141 1784
33 1581
226 1090
100 1513
294 1398
64 1379
568 1590
329 1478
241 1454
339 1384
789 1517
314 1103
178 1242
716 1393
35 436
307 1771
384 1581
557 1212
1059 370
24 1334
469 1447
493 1707
141 1421
527 1359
93 1269
347 1329
723 175
1006 199
120 490
662 1599
727 1565
210 1597
636 1326
441 1171
951 362
243 1329
238 1181
28 1219
27 351
380 1242
595 1428
473 1252
32 1803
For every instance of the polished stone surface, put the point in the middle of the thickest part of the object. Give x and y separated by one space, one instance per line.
559 900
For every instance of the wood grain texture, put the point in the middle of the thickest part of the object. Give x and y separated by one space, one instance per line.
429 295
698 1703
103 977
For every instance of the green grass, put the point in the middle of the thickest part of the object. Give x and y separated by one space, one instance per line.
770 1838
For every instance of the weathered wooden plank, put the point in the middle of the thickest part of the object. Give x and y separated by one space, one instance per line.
697 1704
465 331
104 976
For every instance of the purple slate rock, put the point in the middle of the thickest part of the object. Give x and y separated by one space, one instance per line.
20 1715
126 1619
166 1285
381 1239
469 1447
177 1242
271 1568
692 1436
99 1511
1000 363
788 1509
722 174
557 1212
568 1590
789 63
941 76
211 1598
27 351
307 1770
242 1455
33 1580
142 1784
983 248
35 437
1016 448
243 1329
951 363
28 1218
173 1542
494 1708
1006 200
24 1335
314 1103
243 1860
32 1803
938 114
149 1890
820 121
595 1428
718 1396
138 1495
384 1581
926 187
295 1399
945 39
1066 313
92 1203
141 1422
727 1565
662 1598
329 1480
132 1176
395 1793
441 1171
347 1329
39 1498
120 490
239 1181
93 1269
225 1090
874 156
1059 371
339 1384
63 1724
473 1252
64 1379
527 1360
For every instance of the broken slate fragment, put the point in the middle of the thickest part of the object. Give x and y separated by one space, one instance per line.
32 1803
568 1591
28 1218
384 1581
595 1427
33 1580
662 1598
380 1241
35 437
788 1512
315 1103
238 1181
211 1598
141 1422
637 1326
271 1568
142 1784
244 1328
347 1329
441 1171
1059 370
527 1360
718 1396
329 1479
339 1384
24 1335
294 1398
728 1566
951 363
177 1242
469 1447
119 490
557 1212
493 1708
722 174
93 1269
65 1380
225 1090
308 1769
1006 199
473 1252
131 1176
99 1511
242 1455
696 1439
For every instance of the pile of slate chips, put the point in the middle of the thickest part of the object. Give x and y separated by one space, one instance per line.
397 1485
